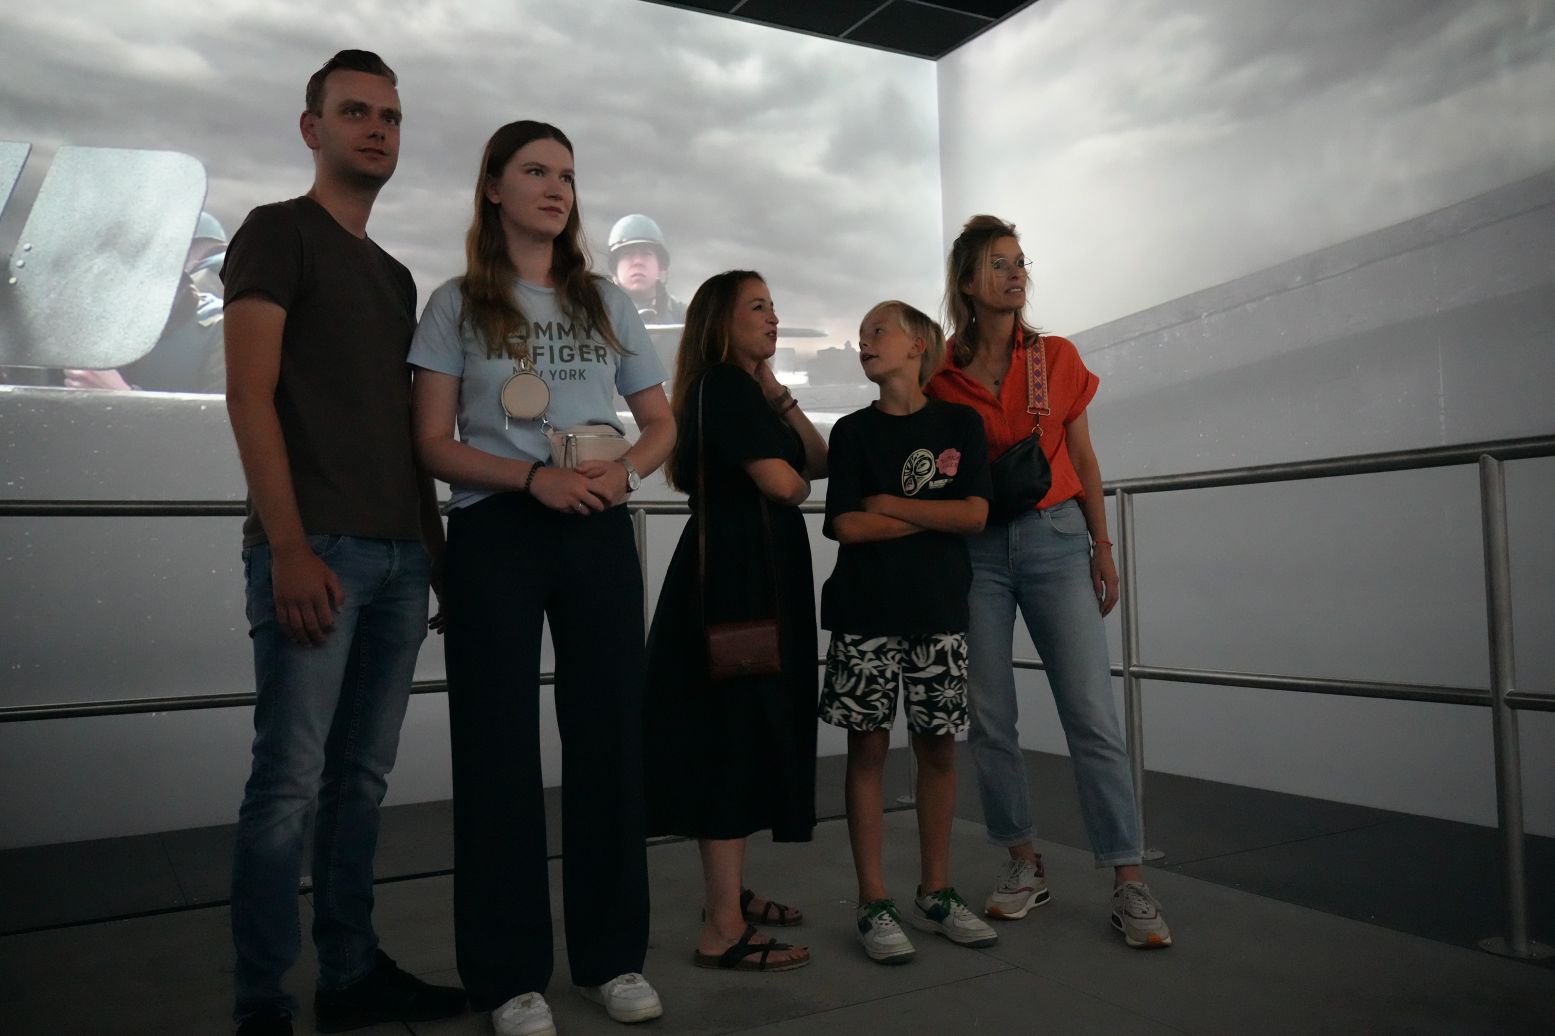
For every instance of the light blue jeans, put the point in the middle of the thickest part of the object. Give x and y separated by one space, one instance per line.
326 726
1041 563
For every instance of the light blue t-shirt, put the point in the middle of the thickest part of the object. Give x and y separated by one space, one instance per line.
583 373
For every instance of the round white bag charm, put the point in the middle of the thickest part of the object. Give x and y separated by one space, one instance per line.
525 395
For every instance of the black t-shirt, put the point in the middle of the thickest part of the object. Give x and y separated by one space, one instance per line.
741 427
343 395
917 583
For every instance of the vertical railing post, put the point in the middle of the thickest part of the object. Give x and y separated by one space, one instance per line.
1503 718
909 797
1133 706
640 534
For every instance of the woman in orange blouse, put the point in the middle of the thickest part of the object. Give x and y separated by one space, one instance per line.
1054 563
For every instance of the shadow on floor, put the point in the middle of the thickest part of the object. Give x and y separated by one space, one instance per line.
1240 963
1434 878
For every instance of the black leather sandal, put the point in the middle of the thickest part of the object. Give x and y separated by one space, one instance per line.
738 957
775 914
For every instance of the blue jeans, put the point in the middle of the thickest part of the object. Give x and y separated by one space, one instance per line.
1041 562
326 726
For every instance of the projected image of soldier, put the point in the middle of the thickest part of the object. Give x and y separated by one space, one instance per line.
188 356
639 264
206 254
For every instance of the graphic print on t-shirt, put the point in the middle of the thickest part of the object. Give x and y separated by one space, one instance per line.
922 466
917 472
555 346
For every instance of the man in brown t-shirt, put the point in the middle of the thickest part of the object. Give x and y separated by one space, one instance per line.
338 554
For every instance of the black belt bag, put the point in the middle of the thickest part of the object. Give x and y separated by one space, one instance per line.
1021 477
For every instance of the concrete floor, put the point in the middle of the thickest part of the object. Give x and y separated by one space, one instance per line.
1242 963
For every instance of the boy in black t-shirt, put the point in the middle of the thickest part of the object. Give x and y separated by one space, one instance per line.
909 478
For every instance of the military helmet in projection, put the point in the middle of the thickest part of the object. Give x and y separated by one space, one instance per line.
209 228
638 229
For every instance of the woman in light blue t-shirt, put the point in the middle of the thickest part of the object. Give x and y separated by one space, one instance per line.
530 542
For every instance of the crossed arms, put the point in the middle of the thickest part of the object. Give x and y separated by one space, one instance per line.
887 517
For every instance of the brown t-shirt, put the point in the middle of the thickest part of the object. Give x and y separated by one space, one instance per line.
343 396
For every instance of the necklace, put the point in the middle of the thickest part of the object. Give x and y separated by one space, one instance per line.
986 372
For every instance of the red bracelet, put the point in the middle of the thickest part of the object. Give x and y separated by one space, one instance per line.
1101 543
792 402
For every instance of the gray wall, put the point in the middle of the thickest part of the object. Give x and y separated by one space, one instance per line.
1288 232
1436 331
129 607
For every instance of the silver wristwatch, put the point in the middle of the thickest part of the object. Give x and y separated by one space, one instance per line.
634 481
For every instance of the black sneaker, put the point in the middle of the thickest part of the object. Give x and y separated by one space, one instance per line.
386 994
270 1023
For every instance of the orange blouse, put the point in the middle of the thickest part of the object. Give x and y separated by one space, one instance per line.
1071 388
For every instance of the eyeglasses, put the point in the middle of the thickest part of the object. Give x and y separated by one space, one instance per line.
1000 264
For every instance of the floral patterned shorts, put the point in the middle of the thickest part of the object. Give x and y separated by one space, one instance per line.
863 673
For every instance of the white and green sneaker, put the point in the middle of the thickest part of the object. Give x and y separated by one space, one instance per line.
1137 915
880 933
945 912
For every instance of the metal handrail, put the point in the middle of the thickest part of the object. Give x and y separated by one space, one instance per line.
1502 699
1285 471
1334 467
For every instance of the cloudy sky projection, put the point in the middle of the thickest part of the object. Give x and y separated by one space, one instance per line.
811 161
1148 148
1158 147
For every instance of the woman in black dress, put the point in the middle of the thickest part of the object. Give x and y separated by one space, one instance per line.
728 758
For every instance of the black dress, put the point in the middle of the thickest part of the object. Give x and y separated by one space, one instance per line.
730 758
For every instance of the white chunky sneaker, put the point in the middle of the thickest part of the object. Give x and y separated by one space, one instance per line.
1019 887
946 912
1137 915
880 933
527 1015
627 998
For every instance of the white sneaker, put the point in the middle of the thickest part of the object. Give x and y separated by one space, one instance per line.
627 998
1137 915
880 933
1020 886
946 912
527 1015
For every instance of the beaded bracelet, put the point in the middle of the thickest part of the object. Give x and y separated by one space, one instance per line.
529 478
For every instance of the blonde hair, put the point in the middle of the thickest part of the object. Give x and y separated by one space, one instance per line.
969 258
917 324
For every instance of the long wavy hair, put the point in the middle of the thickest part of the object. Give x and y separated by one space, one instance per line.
490 307
969 260
704 343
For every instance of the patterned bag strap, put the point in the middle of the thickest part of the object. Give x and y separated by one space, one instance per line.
1037 402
